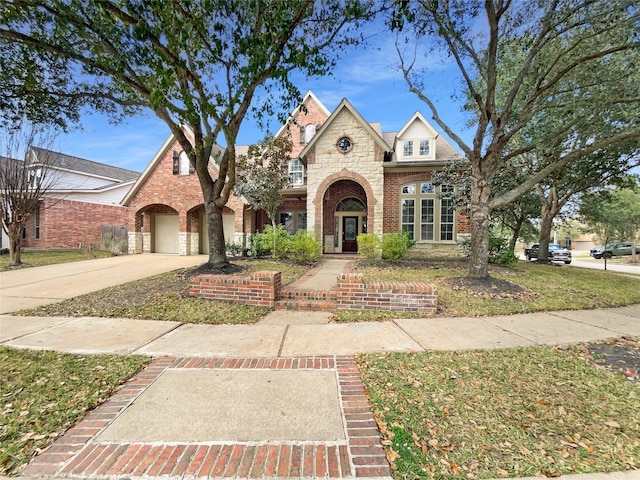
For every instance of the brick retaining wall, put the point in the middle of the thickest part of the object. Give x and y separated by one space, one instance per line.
349 293
260 288
353 293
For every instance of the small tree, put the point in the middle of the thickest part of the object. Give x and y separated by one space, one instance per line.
23 184
261 176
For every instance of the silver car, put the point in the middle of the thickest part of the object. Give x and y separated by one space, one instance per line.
557 253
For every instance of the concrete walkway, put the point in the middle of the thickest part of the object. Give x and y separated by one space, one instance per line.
279 399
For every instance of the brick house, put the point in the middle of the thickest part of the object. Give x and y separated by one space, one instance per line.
82 202
347 177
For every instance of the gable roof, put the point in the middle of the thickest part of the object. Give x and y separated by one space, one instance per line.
63 161
417 116
346 105
156 159
296 111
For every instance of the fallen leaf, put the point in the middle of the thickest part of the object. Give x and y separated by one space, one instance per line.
561 410
612 424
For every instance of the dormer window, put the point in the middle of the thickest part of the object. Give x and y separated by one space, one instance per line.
424 148
417 149
408 148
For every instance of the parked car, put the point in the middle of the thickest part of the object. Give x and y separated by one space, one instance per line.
613 250
557 253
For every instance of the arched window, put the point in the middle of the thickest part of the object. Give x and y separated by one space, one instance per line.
309 132
350 204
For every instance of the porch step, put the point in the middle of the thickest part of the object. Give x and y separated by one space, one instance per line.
306 300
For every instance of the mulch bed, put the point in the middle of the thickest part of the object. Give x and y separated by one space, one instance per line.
619 355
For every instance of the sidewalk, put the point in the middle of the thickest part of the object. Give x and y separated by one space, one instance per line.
278 399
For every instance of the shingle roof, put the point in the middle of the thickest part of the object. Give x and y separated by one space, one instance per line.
68 162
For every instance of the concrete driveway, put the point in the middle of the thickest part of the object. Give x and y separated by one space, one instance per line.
36 286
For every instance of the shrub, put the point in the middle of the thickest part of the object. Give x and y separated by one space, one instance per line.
115 245
395 245
262 244
235 249
497 250
369 246
507 258
304 248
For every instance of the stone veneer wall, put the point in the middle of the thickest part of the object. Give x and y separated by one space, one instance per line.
364 160
350 293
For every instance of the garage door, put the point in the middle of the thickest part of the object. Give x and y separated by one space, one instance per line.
165 236
228 224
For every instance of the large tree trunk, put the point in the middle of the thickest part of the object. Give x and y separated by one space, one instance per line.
479 222
546 224
217 247
550 208
516 233
15 245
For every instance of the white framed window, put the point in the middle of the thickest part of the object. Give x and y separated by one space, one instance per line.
427 219
407 149
427 214
309 132
417 149
181 164
408 221
296 172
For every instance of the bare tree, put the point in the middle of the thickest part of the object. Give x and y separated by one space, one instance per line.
23 183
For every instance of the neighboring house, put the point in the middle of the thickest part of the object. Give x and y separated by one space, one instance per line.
347 177
82 201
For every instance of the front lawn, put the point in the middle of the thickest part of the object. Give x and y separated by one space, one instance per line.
166 297
502 413
532 288
43 393
37 258
529 288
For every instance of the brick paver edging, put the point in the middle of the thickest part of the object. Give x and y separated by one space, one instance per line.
76 454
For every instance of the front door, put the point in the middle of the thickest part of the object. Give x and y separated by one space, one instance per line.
349 234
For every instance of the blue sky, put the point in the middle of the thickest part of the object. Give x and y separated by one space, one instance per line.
368 77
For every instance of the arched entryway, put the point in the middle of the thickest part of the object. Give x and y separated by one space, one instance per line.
345 216
350 220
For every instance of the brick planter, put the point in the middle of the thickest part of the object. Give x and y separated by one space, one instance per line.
353 293
349 293
260 288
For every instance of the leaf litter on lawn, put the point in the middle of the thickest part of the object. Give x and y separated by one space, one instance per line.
501 413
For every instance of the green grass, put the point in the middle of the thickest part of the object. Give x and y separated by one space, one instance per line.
51 257
545 288
501 413
166 297
44 393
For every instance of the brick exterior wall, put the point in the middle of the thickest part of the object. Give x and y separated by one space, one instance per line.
164 192
350 293
337 192
70 224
